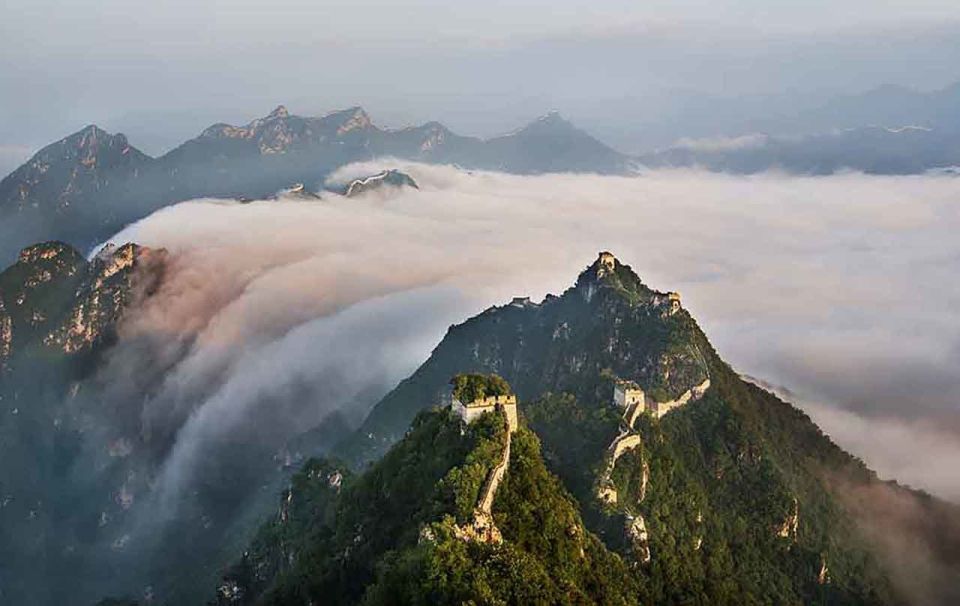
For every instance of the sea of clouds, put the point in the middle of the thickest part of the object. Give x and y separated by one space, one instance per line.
275 313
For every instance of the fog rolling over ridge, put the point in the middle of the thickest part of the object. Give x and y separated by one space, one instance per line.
274 313
494 303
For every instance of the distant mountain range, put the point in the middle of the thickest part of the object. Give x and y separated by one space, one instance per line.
658 122
889 105
85 187
88 185
873 149
886 130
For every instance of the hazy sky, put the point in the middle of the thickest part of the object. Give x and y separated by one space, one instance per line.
180 23
162 71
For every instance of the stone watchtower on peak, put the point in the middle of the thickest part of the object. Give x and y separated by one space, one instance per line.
475 394
606 259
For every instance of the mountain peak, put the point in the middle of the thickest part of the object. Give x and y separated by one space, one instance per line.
354 118
90 136
551 120
604 267
606 260
67 171
607 272
91 130
551 116
279 112
434 125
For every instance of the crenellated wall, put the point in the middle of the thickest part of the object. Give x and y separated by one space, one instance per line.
482 526
469 412
694 393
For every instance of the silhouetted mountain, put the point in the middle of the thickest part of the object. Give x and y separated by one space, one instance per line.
86 187
552 144
876 150
889 106
661 121
70 170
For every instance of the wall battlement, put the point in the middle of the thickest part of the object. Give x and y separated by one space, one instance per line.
471 410
482 527
629 396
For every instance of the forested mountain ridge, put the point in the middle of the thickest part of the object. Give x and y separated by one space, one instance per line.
608 324
730 496
644 468
395 534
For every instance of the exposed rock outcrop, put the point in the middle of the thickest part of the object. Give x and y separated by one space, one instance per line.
791 524
117 278
823 577
636 528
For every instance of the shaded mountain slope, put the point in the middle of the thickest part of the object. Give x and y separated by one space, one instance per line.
81 458
731 497
59 313
75 190
608 323
72 169
393 535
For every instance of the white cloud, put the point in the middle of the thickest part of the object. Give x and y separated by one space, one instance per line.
840 287
915 452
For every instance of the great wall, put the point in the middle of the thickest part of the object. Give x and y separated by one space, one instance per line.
482 526
634 402
629 396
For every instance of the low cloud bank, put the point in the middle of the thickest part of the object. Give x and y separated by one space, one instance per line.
914 539
841 287
915 452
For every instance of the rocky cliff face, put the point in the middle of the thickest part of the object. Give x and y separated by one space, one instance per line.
63 480
80 190
71 170
280 132
81 456
53 299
